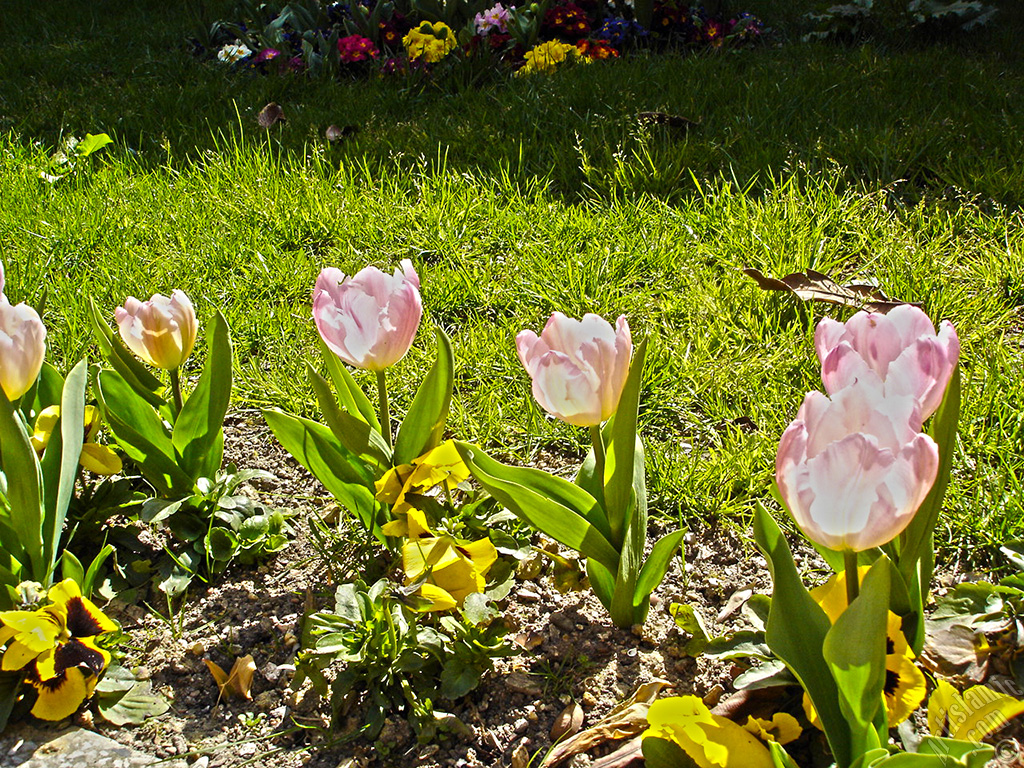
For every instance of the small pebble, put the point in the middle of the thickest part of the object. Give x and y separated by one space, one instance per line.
528 596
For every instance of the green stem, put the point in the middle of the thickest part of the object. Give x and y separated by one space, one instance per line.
385 414
599 457
176 391
852 577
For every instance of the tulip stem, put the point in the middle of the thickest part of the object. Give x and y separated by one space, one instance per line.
852 583
385 414
599 459
176 391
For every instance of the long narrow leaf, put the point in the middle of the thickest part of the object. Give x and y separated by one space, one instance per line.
656 566
24 488
423 426
854 650
313 446
352 397
72 418
619 469
602 581
550 504
634 540
796 631
140 432
201 421
352 432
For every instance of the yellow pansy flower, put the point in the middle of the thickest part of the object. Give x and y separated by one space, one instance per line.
95 457
438 465
56 646
782 728
452 569
905 684
710 740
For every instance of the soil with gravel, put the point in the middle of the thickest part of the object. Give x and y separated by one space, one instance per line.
571 652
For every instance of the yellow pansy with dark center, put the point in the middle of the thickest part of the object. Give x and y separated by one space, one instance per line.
905 684
56 646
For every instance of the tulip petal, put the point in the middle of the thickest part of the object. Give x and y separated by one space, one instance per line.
22 348
370 319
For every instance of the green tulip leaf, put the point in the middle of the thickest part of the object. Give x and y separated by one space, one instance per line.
796 631
92 572
624 459
315 447
423 426
24 490
198 435
662 753
140 432
69 448
657 565
45 392
130 368
353 399
625 612
602 582
353 432
854 650
550 504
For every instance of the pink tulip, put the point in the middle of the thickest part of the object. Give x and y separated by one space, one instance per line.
161 331
22 348
370 319
900 350
578 367
854 469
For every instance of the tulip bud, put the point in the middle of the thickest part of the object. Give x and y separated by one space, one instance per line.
900 351
578 367
22 348
370 319
161 331
854 469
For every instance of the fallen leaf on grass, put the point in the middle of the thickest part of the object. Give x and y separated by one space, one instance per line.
816 286
270 115
625 721
238 682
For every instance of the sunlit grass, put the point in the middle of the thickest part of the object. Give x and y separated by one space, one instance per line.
542 194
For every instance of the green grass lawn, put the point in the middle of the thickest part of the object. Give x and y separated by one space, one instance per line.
897 164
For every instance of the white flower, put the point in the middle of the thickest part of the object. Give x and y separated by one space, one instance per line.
232 52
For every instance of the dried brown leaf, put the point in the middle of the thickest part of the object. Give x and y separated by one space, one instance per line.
568 722
956 651
816 286
626 720
237 682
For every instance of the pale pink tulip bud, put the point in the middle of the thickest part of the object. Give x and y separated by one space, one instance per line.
901 350
370 319
854 469
161 331
22 348
578 367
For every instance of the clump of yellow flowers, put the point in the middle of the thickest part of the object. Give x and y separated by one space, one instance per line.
546 57
429 42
